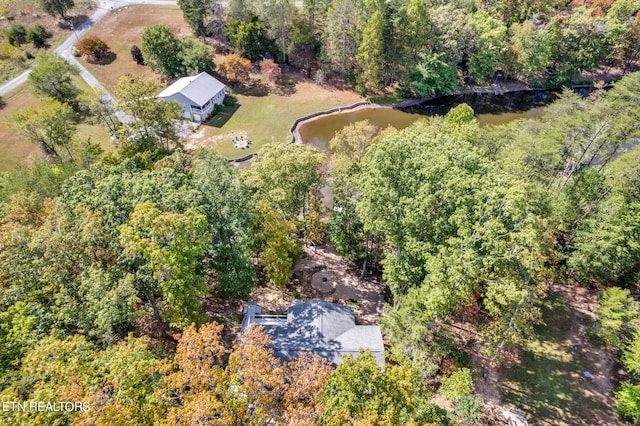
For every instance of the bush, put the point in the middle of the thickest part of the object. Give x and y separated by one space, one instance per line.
229 100
137 55
469 407
37 35
17 34
457 385
94 47
28 54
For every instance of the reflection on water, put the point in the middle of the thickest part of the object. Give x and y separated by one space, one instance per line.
490 110
321 130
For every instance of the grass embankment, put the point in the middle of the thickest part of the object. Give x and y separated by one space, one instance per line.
16 150
262 119
549 382
121 29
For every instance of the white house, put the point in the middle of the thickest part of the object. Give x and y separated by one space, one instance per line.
196 94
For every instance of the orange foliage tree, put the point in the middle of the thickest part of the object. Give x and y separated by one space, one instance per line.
235 68
95 48
255 387
271 71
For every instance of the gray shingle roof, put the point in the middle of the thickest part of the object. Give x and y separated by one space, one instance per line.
198 88
322 328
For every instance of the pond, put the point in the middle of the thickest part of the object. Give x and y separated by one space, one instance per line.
490 110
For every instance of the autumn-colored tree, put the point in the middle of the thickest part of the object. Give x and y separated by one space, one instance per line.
95 48
306 377
235 68
271 71
197 384
258 376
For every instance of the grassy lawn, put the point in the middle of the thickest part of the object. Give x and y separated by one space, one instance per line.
549 384
15 150
121 29
262 119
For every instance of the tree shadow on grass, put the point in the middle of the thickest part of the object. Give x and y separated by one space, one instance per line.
106 59
221 118
549 383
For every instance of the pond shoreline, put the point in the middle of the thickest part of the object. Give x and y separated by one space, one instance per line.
509 89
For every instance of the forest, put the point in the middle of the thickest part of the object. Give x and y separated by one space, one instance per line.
421 48
107 260
104 264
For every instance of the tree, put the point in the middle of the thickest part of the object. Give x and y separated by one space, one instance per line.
162 49
249 38
358 391
17 34
235 68
271 71
50 126
137 55
285 175
173 245
37 35
616 316
194 12
491 46
340 34
529 51
370 58
95 48
230 251
431 76
57 7
52 76
280 247
195 57
278 16
153 119
457 385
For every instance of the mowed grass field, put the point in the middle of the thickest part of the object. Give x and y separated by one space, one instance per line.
262 119
121 29
15 150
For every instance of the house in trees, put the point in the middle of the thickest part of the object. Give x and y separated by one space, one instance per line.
196 94
325 329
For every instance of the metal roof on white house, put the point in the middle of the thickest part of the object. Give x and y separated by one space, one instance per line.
198 88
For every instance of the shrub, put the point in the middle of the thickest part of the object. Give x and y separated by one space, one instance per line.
17 34
229 100
457 385
37 35
469 407
137 55
28 54
94 47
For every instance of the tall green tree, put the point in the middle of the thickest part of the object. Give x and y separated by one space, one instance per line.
52 76
370 58
152 118
228 211
50 126
491 46
173 245
161 50
341 34
194 12
57 7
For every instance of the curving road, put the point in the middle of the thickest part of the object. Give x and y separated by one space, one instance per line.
64 50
